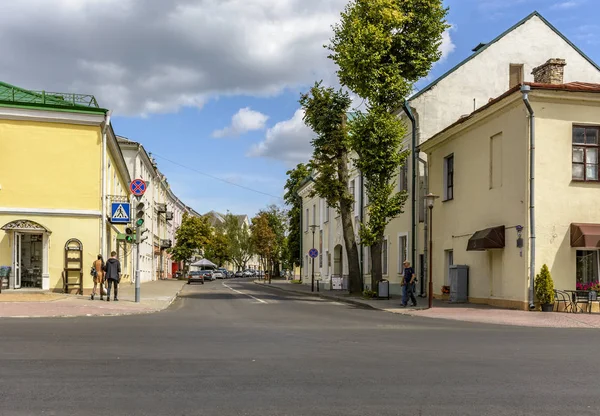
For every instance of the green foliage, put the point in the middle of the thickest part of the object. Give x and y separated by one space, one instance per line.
372 136
263 236
276 218
369 294
544 286
294 214
239 244
217 250
193 235
382 47
325 113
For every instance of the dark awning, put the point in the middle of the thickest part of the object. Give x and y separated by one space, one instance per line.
487 239
585 235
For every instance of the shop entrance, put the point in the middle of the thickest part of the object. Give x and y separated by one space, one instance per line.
28 260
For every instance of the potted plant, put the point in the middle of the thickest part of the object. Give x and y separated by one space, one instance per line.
544 289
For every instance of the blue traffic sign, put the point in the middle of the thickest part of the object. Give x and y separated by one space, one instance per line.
313 252
120 212
138 187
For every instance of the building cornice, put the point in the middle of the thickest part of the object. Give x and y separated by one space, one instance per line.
50 116
53 212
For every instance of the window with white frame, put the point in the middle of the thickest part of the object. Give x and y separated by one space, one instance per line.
307 219
449 177
449 257
353 191
586 268
402 252
306 265
327 212
585 153
320 248
384 257
314 214
403 178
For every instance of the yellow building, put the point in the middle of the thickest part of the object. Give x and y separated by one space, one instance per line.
59 162
480 167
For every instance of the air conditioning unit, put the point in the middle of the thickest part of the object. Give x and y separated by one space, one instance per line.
165 244
161 207
169 215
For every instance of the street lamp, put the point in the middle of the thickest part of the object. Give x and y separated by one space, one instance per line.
430 199
312 282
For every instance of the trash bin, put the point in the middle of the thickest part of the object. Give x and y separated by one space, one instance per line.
383 289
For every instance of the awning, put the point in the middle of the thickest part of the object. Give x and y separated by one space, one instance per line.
487 239
585 235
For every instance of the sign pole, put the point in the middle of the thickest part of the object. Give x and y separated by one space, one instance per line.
137 273
138 188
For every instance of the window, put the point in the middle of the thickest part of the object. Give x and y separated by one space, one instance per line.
402 252
496 161
314 214
449 257
307 218
587 267
306 265
326 212
585 153
403 178
352 191
384 257
516 75
449 177
321 248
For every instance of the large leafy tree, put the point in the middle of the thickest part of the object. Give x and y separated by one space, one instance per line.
277 222
239 244
294 214
192 236
217 249
325 113
382 47
264 239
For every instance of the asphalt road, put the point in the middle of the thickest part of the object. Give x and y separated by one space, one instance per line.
219 351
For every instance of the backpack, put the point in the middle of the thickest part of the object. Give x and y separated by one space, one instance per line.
93 272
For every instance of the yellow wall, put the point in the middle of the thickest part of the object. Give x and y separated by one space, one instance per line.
497 274
50 165
559 201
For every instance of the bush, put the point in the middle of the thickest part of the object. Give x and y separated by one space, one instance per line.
544 286
368 293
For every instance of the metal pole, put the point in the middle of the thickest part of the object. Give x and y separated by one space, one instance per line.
137 270
312 282
430 294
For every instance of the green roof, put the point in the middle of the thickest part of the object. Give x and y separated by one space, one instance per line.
482 47
12 96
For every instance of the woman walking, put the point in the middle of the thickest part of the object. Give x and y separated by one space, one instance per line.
98 266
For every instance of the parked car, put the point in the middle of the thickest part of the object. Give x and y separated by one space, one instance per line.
239 273
195 277
208 275
247 273
230 274
218 274
224 272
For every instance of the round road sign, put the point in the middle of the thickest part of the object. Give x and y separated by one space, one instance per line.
138 187
313 252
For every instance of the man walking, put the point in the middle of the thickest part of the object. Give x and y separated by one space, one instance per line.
113 274
408 285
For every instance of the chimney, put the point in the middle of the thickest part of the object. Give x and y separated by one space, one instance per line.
550 73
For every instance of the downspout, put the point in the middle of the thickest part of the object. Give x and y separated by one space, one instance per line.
425 228
525 90
362 214
103 230
413 188
300 234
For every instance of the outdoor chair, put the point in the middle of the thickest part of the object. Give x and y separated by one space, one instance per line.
560 296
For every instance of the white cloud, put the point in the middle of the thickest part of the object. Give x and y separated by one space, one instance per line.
243 121
289 141
154 56
565 5
447 46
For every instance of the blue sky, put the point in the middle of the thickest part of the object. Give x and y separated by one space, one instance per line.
177 71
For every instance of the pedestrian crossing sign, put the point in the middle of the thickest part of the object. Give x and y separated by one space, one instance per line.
120 213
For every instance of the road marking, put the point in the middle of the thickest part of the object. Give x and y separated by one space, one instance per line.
242 293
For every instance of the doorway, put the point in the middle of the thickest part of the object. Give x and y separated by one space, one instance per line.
28 260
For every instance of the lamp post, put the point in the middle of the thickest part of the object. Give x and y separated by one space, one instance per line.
430 199
312 282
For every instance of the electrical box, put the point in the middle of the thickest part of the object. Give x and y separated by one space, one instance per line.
459 283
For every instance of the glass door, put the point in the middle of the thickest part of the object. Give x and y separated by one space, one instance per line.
17 259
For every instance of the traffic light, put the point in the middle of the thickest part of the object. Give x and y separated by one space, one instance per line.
139 214
140 235
130 236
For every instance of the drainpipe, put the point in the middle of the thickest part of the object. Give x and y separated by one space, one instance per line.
525 90
425 228
300 234
413 188
103 230
362 218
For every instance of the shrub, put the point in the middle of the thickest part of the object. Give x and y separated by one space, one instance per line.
544 286
368 293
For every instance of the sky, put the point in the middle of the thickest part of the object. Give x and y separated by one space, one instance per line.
211 87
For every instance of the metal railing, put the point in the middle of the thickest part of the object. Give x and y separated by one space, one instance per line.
18 95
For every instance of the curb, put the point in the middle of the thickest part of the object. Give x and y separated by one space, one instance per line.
322 296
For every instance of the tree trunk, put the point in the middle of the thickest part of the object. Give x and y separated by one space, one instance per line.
376 264
356 282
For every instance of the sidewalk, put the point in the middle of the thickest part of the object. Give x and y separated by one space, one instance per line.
444 310
155 296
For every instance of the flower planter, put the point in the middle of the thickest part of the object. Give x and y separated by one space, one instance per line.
547 307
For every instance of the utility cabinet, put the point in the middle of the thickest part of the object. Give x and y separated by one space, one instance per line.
459 283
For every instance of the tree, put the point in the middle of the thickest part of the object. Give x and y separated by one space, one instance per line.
263 239
217 249
193 235
294 214
325 113
238 240
276 218
382 47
